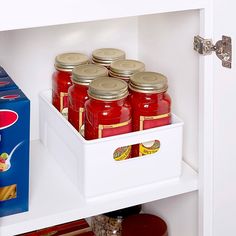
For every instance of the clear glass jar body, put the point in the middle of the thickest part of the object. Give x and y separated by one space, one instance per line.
77 96
61 81
111 223
103 225
149 110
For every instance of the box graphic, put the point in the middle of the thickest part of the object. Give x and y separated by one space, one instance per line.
3 73
14 151
6 82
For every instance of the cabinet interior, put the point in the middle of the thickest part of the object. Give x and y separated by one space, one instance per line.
164 42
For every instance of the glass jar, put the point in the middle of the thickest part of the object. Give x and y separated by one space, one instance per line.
105 56
77 93
123 69
144 224
61 79
111 223
108 112
151 107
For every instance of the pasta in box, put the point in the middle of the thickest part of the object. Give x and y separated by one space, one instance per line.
14 151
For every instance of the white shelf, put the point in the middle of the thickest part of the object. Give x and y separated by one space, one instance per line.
71 11
54 200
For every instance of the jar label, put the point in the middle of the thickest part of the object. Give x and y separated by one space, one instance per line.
81 120
148 122
114 129
64 104
120 153
150 147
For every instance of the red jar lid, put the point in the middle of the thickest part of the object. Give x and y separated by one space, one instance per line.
144 224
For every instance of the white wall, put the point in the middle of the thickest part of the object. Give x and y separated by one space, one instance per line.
166 45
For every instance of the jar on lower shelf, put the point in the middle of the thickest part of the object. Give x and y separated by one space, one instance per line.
111 223
144 224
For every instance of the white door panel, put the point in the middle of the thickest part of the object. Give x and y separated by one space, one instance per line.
224 126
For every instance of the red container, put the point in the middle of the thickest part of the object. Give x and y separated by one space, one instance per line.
77 94
151 107
108 112
144 225
61 78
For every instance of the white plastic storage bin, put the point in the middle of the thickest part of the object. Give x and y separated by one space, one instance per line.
90 164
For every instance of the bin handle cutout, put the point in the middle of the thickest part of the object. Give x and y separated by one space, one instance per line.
136 150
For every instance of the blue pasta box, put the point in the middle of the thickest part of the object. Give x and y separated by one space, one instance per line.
6 82
3 73
14 152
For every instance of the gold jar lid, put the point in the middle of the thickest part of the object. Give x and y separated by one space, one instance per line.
106 64
126 67
107 55
67 61
108 89
119 76
84 74
148 82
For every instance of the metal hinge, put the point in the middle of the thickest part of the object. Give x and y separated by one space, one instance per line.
223 48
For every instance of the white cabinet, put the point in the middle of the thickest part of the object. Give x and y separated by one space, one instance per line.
159 33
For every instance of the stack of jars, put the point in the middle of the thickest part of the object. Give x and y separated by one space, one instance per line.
110 223
100 106
128 222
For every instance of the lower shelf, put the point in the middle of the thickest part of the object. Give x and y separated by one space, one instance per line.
55 200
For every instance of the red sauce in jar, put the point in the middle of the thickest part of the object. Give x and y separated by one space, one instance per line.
77 94
151 107
61 78
108 112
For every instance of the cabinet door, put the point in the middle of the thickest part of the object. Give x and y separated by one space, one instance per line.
224 164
